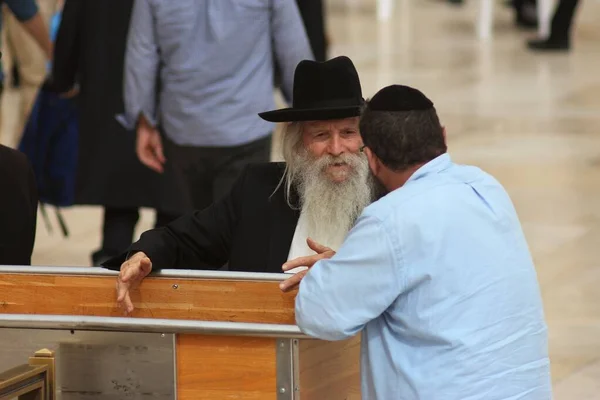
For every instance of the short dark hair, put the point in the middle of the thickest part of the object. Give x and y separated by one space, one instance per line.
402 139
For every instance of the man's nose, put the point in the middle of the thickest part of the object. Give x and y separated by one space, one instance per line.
335 147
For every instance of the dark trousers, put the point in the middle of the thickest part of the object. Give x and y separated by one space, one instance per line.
118 230
519 4
525 10
206 174
563 19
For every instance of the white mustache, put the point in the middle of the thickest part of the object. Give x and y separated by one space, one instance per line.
353 160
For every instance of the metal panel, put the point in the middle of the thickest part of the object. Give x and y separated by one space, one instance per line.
288 385
171 273
99 365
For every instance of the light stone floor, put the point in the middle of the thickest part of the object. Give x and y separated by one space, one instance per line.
529 119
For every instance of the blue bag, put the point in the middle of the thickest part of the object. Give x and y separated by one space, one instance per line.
50 141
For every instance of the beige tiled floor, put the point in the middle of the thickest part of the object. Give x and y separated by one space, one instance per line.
531 120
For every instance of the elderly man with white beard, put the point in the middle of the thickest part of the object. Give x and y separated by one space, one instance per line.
274 208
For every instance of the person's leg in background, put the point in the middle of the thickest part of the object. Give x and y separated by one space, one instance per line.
525 14
7 50
117 232
560 31
233 161
206 174
191 167
6 135
31 61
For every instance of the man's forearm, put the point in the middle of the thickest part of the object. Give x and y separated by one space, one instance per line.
37 28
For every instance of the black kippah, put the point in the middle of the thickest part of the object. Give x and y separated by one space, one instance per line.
399 98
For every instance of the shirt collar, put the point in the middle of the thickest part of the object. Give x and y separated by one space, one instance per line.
434 166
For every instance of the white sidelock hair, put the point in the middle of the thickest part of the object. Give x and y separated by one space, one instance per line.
291 148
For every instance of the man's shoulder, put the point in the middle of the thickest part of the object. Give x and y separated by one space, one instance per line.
16 178
416 194
265 174
12 160
441 191
273 167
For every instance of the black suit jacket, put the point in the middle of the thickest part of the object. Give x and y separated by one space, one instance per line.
251 229
18 208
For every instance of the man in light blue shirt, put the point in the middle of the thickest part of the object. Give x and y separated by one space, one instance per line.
436 274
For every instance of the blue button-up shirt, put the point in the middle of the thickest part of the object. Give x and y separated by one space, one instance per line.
438 277
215 62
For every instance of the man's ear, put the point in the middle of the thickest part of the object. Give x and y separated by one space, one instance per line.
444 134
374 162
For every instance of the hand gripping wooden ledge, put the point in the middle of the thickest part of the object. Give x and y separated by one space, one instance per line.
240 325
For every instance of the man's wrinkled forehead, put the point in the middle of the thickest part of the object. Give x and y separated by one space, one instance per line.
331 123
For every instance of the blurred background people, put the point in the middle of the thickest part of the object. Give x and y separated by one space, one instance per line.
90 51
26 43
525 16
196 76
313 17
560 31
18 208
525 13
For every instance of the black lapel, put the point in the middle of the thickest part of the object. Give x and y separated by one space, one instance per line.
283 220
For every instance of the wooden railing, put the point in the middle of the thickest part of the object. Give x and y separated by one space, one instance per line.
234 333
32 381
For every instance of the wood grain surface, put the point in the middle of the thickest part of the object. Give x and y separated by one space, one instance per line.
330 370
193 299
226 367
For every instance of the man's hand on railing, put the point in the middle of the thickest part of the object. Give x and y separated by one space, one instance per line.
133 271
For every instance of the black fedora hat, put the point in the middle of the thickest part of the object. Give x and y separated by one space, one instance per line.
322 90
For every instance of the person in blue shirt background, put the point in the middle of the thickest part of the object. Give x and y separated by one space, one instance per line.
28 14
437 274
54 26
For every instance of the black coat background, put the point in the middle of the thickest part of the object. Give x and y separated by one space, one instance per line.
18 208
90 50
313 16
251 229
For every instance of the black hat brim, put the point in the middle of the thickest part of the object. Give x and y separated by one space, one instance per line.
316 114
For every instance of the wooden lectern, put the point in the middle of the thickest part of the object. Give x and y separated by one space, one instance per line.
235 333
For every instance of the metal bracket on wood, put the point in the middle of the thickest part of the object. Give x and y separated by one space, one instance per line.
288 382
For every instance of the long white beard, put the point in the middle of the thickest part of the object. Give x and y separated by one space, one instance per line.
331 208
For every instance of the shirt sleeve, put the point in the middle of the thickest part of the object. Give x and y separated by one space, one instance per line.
24 10
339 296
141 67
290 42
